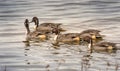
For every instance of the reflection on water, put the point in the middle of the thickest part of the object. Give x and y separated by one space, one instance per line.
76 16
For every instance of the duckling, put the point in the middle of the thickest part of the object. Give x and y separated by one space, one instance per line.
100 46
95 34
35 34
46 27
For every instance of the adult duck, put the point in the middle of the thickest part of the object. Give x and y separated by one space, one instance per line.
45 27
101 46
33 35
69 38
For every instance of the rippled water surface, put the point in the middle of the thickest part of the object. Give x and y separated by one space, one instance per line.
76 16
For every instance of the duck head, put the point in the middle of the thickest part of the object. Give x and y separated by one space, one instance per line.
89 40
26 23
58 25
36 21
56 31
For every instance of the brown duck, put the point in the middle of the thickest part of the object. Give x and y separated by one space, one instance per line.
35 34
95 34
100 46
45 27
65 38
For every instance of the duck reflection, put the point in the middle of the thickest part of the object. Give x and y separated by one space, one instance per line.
85 62
27 62
26 50
27 43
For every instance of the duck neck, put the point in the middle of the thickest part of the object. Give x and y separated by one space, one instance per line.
36 22
90 46
27 28
55 37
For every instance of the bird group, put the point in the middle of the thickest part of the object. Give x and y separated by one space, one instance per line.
44 31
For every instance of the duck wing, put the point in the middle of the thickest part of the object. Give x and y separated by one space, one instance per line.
51 24
106 44
91 31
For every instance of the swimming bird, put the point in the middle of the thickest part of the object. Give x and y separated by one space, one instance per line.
45 27
33 35
101 46
95 34
65 38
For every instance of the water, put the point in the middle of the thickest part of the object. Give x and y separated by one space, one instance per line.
76 16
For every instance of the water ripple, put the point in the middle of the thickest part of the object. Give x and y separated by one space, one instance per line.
76 16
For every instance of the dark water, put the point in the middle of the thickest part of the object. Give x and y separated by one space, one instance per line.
76 15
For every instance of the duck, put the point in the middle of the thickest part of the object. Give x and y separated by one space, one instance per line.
95 34
46 27
68 38
34 34
100 46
